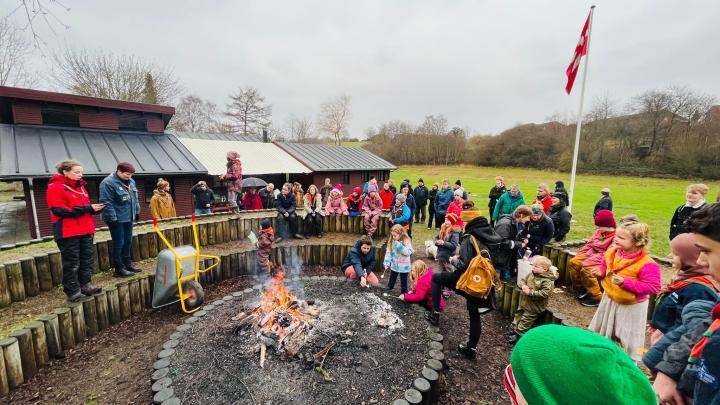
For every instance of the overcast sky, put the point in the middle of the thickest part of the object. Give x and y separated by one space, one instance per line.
486 65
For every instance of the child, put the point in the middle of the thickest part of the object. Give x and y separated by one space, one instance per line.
629 275
447 241
397 257
420 282
590 257
400 213
264 244
354 202
372 206
360 262
335 203
535 291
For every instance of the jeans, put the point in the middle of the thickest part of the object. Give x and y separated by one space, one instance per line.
202 211
420 214
284 223
78 260
440 280
403 281
313 224
121 234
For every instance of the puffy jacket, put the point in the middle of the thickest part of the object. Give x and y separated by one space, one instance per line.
677 223
421 293
315 205
596 247
604 203
507 204
443 200
456 208
252 201
506 255
667 313
387 198
540 234
285 203
541 286
70 209
560 217
449 245
371 205
421 196
359 261
120 199
202 198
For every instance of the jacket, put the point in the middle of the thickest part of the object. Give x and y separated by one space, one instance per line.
560 188
409 202
560 217
387 198
421 293
449 245
325 192
706 372
401 217
70 209
335 204
202 198
421 196
315 206
252 201
669 307
371 205
397 257
641 275
299 198
285 203
360 262
507 204
545 202
120 199
456 208
596 247
431 200
353 203
677 223
265 241
233 175
604 203
162 205
494 195
540 233
541 286
485 237
443 200
505 257
267 198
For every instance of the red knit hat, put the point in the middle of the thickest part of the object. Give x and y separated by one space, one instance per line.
605 219
452 218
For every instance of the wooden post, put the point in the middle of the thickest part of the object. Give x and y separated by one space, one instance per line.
39 340
554 250
5 299
90 314
52 335
42 264
56 267
15 281
226 230
30 277
515 301
78 321
4 387
13 362
67 333
500 294
507 299
170 236
202 234
211 233
188 235
124 300
103 255
152 244
145 295
143 245
217 271
225 267
546 250
27 352
101 306
232 224
135 249
113 304
135 297
561 262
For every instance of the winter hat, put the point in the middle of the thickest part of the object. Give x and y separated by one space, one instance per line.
338 187
232 155
404 184
457 182
458 193
436 184
469 215
537 210
372 188
605 191
357 190
609 376
421 181
401 197
605 219
265 223
452 218
125 167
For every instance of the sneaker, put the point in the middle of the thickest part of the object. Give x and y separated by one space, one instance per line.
468 352
131 268
75 297
581 293
433 317
89 289
298 236
589 302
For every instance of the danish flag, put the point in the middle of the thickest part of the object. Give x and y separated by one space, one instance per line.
580 50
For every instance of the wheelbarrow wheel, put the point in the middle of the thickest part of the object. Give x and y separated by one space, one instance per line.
195 292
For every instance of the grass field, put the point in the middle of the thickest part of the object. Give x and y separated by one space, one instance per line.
654 200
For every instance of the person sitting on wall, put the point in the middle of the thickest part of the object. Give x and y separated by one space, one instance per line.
354 202
543 197
540 230
372 207
409 202
335 204
286 218
161 203
297 190
252 201
204 197
119 194
312 204
325 190
359 264
387 196
267 196
590 257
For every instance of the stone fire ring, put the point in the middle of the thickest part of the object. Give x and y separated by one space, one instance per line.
424 387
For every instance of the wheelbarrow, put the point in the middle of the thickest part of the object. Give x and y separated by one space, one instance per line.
176 273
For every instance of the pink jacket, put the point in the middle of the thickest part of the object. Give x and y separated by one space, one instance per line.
648 282
421 294
372 205
595 248
335 204
456 208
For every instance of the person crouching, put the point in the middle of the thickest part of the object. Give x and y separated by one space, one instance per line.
420 283
535 289
359 264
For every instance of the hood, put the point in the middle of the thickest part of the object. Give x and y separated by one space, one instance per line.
551 274
59 178
480 228
559 185
559 207
517 197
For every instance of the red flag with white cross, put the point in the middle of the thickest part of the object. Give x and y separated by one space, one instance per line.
580 51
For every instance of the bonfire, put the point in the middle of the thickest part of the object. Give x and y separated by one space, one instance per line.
281 320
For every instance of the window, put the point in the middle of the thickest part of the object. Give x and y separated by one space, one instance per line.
382 175
92 188
150 183
365 176
61 118
345 176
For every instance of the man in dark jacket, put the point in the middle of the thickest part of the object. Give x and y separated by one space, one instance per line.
604 203
495 193
511 229
540 230
560 188
360 262
285 204
204 198
421 197
267 196
122 207
560 217
487 240
431 206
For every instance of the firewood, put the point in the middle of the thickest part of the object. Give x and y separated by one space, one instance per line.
262 355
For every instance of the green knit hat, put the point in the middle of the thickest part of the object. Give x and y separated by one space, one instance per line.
555 364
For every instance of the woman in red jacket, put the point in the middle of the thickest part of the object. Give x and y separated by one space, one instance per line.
251 201
73 227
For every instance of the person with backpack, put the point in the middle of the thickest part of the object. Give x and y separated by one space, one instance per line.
476 243
535 290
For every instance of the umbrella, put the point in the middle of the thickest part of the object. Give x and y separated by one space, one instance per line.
253 182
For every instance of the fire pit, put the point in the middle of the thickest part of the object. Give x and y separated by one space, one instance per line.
309 340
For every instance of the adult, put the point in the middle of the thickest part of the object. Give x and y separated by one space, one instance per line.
267 196
161 203
543 198
508 202
251 200
119 194
325 190
540 230
297 190
442 200
73 228
560 188
608 376
392 187
233 178
486 238
431 205
313 206
386 195
458 186
495 193
372 207
359 264
204 197
456 207
510 228
694 200
560 217
286 217
589 258
420 194
604 203
354 202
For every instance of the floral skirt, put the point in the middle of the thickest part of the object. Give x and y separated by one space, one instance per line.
623 324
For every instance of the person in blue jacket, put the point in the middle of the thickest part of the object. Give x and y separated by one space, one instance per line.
400 212
442 201
119 194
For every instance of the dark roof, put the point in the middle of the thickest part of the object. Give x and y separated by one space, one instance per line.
52 97
33 151
328 158
219 137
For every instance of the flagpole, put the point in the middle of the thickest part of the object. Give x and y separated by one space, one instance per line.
580 112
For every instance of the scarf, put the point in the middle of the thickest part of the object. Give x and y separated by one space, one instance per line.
697 205
269 231
697 350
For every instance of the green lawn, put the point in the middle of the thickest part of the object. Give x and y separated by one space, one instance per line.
352 144
654 200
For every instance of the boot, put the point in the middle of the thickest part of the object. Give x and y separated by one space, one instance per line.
582 293
514 338
89 289
589 302
466 351
75 297
131 268
433 317
121 272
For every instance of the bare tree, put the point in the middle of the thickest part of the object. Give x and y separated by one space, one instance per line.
32 11
300 129
335 117
193 114
118 77
248 111
14 51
